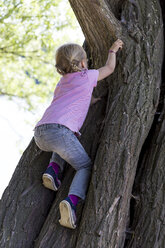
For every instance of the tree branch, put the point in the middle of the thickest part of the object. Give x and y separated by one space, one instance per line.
3 93
9 13
99 25
16 53
98 22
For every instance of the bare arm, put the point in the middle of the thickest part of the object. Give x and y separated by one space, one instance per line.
109 67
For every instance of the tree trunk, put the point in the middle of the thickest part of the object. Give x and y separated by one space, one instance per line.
114 135
147 213
146 227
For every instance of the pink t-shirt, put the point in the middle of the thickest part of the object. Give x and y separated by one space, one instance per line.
71 100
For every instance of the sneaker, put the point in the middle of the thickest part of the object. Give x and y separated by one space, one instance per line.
50 179
68 213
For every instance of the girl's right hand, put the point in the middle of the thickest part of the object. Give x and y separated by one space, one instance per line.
109 67
116 45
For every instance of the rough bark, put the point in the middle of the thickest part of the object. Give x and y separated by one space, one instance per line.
25 203
113 135
148 212
99 25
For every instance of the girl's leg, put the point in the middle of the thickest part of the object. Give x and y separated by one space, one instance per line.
74 153
51 176
76 156
58 160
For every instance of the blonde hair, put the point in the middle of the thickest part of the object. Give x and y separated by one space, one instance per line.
68 57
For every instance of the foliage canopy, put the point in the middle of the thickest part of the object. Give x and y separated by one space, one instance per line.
30 32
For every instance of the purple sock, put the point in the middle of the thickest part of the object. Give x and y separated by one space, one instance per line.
55 167
74 199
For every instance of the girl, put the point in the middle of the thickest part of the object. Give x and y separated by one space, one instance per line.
62 120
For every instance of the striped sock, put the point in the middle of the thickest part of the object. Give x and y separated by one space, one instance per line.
74 199
55 167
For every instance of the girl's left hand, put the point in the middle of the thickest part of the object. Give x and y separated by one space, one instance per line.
94 100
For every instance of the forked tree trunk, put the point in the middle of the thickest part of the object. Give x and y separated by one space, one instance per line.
115 136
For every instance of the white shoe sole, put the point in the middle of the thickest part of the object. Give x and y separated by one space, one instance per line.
66 215
48 182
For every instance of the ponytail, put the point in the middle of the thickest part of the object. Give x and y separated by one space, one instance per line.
68 58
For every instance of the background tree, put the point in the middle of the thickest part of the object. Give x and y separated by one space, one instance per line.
30 32
123 134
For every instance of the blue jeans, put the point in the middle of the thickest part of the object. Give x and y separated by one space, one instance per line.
65 146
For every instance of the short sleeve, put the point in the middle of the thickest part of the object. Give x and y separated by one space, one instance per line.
93 77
